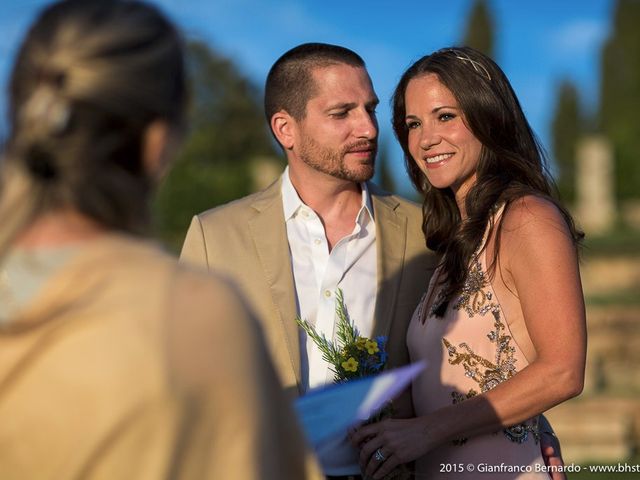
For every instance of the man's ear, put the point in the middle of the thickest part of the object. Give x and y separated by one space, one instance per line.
284 127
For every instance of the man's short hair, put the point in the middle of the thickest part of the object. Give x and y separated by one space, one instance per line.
290 83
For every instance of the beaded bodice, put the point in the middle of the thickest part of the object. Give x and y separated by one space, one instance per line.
477 298
468 350
475 338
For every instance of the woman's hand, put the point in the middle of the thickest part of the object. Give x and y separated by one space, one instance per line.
386 444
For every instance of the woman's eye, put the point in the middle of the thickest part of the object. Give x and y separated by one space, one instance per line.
445 117
412 125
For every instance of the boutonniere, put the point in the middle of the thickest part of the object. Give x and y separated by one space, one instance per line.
351 355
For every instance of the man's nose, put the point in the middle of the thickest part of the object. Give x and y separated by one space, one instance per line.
367 125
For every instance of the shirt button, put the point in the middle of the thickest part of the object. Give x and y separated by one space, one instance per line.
305 214
317 241
327 293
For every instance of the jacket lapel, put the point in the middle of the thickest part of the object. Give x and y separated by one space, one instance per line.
269 235
391 237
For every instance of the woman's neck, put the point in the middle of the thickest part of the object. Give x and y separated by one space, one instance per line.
59 228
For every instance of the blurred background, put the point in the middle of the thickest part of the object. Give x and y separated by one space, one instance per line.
575 66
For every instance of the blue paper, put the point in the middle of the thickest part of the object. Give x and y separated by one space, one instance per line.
329 411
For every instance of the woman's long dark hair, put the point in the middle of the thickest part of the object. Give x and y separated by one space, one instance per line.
512 163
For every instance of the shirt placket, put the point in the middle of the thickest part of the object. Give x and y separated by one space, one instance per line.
320 259
330 269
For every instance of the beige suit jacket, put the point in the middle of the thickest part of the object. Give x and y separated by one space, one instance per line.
247 241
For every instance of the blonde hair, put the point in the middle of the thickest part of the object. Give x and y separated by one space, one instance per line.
89 78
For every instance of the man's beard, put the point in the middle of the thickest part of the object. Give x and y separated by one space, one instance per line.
332 162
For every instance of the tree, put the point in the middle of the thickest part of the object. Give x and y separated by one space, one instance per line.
227 131
480 28
226 113
620 96
384 177
566 129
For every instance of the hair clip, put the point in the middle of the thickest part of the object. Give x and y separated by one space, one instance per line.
477 66
47 109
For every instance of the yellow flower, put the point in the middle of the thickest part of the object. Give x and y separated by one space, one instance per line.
371 346
360 343
350 365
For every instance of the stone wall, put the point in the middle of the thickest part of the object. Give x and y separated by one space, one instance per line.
603 424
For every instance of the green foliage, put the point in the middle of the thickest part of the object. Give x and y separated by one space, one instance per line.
622 240
191 188
226 111
383 176
566 129
627 298
620 96
480 29
227 130
585 474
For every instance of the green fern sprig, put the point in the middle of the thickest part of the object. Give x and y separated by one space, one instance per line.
345 329
346 334
329 352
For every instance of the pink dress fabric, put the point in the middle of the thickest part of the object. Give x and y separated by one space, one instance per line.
468 351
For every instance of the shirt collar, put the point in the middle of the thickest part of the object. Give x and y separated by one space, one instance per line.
291 201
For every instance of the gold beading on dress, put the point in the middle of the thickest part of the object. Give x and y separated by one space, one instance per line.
476 299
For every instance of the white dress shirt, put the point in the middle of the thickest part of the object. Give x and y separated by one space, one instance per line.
351 266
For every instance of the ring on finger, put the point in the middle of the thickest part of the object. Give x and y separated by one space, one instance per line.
379 456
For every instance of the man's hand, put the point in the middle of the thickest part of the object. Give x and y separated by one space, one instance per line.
551 452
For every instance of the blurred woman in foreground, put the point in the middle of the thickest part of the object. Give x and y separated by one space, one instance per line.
115 362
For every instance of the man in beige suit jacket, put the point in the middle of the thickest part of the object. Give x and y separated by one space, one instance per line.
328 130
247 239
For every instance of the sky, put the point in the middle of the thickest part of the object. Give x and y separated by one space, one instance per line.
538 43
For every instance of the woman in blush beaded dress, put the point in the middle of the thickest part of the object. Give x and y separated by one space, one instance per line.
501 327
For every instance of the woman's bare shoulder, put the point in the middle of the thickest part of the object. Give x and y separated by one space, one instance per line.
533 215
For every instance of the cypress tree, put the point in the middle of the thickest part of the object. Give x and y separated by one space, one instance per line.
479 33
566 129
384 177
620 96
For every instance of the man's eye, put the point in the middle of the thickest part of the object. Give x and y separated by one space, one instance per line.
340 114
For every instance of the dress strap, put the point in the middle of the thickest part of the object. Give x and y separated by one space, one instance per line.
494 218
